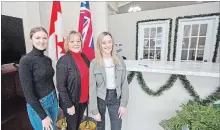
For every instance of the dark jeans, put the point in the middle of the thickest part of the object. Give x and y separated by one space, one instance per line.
73 121
112 104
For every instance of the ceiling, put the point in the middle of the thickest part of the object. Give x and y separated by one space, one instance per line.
151 5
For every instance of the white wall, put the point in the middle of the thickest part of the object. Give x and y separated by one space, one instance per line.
39 13
123 26
28 11
145 112
70 11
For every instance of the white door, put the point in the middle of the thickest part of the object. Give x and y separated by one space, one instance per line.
196 40
153 39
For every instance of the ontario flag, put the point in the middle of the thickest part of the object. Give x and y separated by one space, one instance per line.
55 47
85 28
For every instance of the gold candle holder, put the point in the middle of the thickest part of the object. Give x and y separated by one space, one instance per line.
87 125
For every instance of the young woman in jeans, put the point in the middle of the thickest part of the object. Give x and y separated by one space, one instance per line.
36 77
108 84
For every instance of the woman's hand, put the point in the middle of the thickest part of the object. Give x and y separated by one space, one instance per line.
97 117
71 110
121 112
47 123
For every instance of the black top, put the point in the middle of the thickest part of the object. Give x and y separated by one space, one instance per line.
69 80
36 76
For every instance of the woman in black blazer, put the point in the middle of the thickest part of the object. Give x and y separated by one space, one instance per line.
73 80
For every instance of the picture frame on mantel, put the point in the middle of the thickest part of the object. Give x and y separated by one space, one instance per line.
153 39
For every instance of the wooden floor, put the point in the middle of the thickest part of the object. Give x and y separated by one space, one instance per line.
14 114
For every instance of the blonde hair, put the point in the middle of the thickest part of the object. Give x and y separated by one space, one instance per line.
37 29
98 53
67 39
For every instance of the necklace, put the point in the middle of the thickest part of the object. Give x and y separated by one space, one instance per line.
108 63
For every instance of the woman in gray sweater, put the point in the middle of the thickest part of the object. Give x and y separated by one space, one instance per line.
108 84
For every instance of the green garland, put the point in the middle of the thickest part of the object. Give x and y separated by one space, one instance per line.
169 41
130 76
215 96
187 85
165 87
175 39
217 42
197 16
169 36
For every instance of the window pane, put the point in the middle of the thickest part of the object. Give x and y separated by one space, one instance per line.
145 55
192 54
193 42
200 55
195 29
158 54
203 30
185 43
146 33
151 54
184 55
158 43
201 43
152 43
159 32
158 48
153 32
146 43
186 30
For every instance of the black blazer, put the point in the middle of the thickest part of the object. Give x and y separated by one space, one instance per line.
69 80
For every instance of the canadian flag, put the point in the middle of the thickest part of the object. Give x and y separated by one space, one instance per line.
56 47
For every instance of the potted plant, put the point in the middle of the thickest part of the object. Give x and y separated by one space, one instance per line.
194 116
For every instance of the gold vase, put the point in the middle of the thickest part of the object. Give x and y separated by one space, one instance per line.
62 124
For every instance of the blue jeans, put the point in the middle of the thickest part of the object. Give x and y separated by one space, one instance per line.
50 106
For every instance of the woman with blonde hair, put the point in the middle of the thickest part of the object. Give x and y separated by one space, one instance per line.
73 80
108 84
36 76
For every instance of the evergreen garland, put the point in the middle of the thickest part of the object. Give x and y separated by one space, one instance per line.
163 88
169 40
198 16
175 39
187 85
217 42
130 76
215 96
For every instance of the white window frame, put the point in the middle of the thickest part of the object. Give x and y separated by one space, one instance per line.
165 38
209 48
